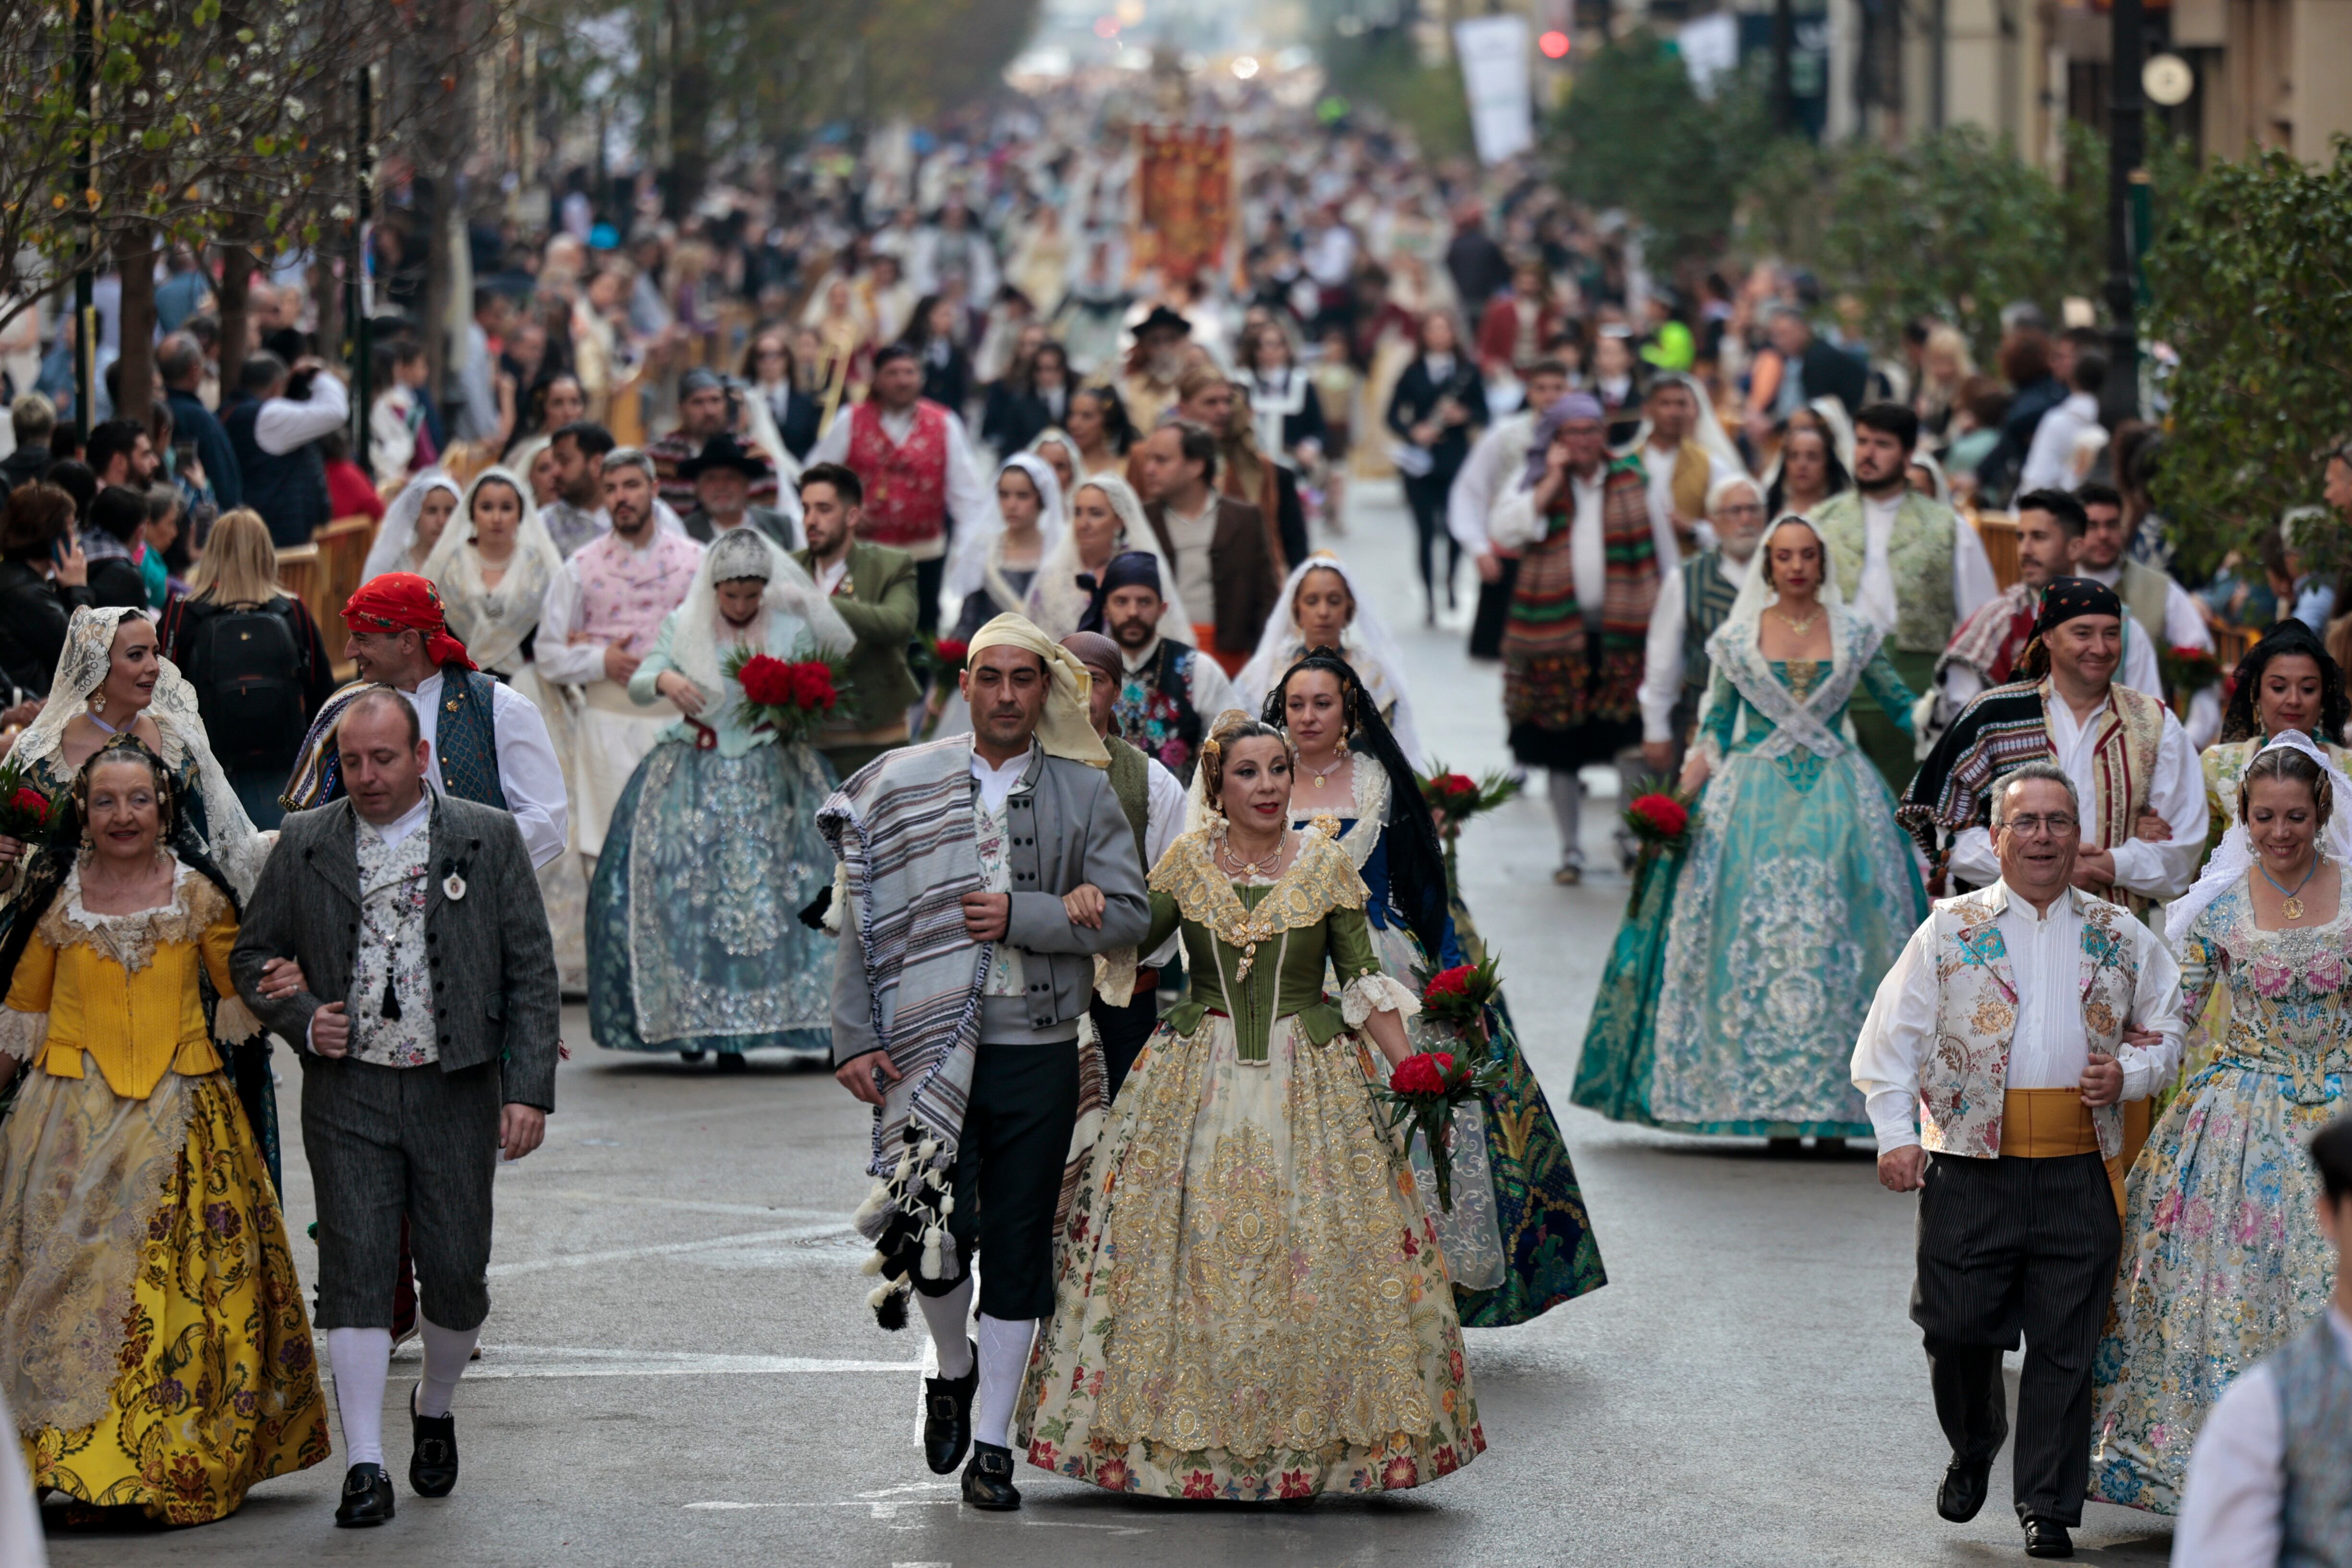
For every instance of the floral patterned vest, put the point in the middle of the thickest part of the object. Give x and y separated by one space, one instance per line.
625 592
906 483
1918 555
2315 1415
1962 1081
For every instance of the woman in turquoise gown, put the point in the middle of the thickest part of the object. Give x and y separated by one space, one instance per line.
1748 963
1518 1241
695 941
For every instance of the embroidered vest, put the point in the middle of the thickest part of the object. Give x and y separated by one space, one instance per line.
624 592
1154 712
2315 1389
906 484
1707 599
2146 592
2130 733
1919 556
1130 784
1963 1079
465 737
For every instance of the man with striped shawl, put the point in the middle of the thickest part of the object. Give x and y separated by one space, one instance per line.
1579 619
980 875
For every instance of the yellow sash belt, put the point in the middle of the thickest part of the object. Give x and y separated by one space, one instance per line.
2046 1124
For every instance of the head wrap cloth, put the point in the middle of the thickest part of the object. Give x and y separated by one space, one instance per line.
2068 598
405 602
1129 569
1065 731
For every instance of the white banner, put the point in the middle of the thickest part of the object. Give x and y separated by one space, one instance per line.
1494 55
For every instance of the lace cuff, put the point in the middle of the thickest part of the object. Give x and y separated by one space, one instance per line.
22 1035
1115 976
234 1022
1376 993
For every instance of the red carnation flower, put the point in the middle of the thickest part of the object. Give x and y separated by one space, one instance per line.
812 685
766 680
1460 783
1418 1074
1664 814
31 802
953 651
1453 982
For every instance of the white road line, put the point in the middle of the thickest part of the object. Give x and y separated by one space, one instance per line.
563 1360
668 1249
691 1206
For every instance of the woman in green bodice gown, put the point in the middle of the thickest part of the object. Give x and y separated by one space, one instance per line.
1252 1303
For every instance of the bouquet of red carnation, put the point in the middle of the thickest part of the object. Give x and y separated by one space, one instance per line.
944 659
1424 1090
1657 818
789 697
1458 997
2188 670
1454 798
949 656
24 811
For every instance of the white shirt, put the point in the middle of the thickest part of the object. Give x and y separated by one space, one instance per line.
2050 461
1191 534
1163 820
367 1019
828 578
2232 1508
2184 626
556 656
1496 458
1662 660
2176 794
394 832
971 503
1516 524
529 775
996 783
2049 1045
1973 579
283 424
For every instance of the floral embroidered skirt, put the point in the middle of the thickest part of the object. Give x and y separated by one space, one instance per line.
2223 1262
1252 1302
153 1341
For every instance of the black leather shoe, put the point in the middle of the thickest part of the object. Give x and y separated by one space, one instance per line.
734 1061
2043 1538
988 1479
367 1497
433 1462
947 1417
1963 1491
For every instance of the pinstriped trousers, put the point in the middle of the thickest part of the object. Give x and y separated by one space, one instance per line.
2009 1247
387 1142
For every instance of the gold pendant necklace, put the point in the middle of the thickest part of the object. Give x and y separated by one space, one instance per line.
1796 625
2292 906
1323 776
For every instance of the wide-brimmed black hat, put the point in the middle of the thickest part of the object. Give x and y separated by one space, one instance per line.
1161 316
724 451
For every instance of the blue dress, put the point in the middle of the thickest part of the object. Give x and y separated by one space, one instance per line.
1518 1241
1745 970
695 941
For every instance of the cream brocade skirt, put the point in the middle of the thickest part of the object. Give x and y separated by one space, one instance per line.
1252 1303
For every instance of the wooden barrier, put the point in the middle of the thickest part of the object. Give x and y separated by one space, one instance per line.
627 413
1998 533
301 573
342 547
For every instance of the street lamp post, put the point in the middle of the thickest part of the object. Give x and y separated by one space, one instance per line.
2127 150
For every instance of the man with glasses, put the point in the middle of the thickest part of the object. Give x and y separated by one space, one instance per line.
2017 1021
1693 600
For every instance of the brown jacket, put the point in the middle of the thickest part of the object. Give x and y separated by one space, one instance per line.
1241 571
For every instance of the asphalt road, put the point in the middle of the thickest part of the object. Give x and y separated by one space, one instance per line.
679 1370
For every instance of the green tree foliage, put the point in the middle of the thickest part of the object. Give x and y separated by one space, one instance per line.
1953 226
1636 135
2251 274
1382 66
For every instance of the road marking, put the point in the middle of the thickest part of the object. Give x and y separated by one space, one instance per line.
884 1506
670 1249
692 1205
564 1360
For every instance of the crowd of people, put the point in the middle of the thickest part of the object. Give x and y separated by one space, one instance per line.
970 692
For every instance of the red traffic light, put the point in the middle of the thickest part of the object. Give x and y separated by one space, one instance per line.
1555 44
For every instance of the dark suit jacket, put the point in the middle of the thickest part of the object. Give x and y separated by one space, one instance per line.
1241 565
878 600
773 524
192 421
493 959
1416 398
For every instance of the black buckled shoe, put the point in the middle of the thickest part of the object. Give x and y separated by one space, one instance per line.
367 1497
988 1479
947 1417
433 1462
2047 1538
1963 1491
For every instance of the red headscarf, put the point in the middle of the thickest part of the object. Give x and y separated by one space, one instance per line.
403 602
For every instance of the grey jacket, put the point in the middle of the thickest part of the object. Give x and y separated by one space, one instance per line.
1067 828
492 960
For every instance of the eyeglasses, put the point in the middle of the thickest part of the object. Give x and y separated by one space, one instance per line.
2057 824
1742 509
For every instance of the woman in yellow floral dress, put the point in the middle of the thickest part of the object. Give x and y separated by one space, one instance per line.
153 1347
1252 1302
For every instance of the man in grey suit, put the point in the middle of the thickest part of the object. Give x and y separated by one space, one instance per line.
1056 880
427 1018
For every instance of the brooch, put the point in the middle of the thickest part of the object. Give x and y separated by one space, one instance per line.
453 887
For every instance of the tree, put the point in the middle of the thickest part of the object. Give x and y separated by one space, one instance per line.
2252 277
1636 135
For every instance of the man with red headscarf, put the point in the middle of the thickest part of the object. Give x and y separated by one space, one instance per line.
489 742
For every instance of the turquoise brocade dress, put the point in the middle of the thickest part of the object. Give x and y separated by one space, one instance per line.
1747 962
695 941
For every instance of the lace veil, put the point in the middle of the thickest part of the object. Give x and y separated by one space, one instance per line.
748 553
1367 644
974 562
2235 855
397 532
1057 604
493 622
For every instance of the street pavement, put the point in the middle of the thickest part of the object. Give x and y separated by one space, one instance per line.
678 1367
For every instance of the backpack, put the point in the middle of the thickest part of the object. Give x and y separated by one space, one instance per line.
246 669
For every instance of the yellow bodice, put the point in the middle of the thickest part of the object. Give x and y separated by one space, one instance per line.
123 987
